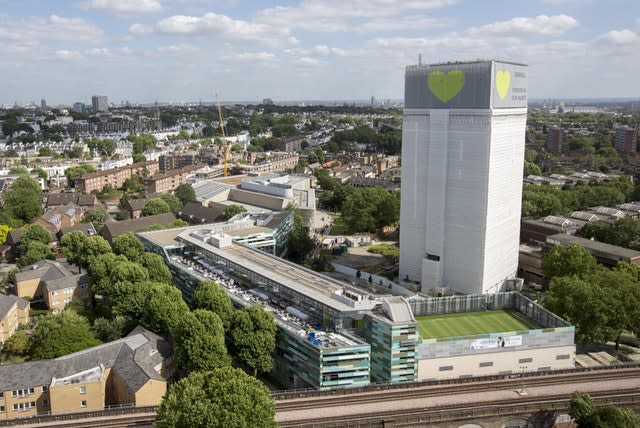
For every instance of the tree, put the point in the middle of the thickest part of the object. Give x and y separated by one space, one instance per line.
4 232
78 171
41 173
34 233
233 210
226 398
73 244
108 330
568 260
199 341
96 216
155 206
23 201
165 307
175 205
586 415
211 297
185 193
299 243
157 268
61 334
18 170
93 247
129 246
580 303
253 338
369 209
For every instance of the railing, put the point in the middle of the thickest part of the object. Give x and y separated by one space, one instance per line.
113 410
312 392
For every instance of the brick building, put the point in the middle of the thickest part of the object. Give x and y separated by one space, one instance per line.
168 181
96 181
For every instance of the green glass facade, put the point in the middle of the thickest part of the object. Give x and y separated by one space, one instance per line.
393 349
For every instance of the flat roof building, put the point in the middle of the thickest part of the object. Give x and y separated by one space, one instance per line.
462 158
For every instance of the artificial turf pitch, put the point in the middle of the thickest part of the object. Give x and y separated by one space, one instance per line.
471 323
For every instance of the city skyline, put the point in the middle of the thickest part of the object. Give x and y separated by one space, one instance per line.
186 50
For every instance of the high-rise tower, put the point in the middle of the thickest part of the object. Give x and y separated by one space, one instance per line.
462 161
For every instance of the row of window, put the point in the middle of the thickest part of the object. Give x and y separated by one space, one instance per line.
23 406
520 361
22 392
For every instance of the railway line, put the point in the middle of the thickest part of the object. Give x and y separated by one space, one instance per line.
431 402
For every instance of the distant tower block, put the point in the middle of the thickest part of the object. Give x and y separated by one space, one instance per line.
462 159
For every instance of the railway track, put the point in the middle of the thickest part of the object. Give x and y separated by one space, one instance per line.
425 417
344 398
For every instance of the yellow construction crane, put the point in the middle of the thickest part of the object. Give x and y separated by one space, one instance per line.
224 139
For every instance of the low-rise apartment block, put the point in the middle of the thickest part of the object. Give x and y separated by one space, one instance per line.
96 181
169 181
52 282
131 371
14 312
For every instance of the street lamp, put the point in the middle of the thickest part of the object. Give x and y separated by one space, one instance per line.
523 368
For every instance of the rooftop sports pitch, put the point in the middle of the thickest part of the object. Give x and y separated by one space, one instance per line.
471 323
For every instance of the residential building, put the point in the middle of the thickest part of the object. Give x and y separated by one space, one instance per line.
55 200
110 231
99 103
462 159
134 206
177 160
97 181
52 282
14 312
196 213
132 371
555 136
63 216
169 181
626 139
606 254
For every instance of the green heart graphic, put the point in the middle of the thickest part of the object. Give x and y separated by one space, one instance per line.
445 86
503 79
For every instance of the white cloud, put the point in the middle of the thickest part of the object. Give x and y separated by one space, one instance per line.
54 27
251 56
124 7
140 29
622 37
540 25
212 24
337 16
401 23
67 55
110 53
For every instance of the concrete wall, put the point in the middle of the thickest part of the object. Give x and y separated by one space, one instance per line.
28 288
151 393
68 398
497 362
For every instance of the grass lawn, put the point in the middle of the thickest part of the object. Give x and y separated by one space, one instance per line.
471 323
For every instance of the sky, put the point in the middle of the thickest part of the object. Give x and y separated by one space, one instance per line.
187 50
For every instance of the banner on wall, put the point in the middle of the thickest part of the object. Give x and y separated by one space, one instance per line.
496 342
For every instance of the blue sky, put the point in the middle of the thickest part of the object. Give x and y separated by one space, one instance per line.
186 50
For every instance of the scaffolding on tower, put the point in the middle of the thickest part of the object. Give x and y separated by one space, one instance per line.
225 149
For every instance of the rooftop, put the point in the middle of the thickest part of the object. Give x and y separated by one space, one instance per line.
601 247
471 323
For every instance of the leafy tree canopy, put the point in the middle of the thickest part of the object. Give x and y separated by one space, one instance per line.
155 206
185 193
233 210
199 341
211 297
253 338
129 246
224 397
61 334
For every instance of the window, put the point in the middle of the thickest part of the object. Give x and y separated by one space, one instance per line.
45 402
1 394
433 257
446 368
525 360
487 364
83 390
562 357
2 409
83 403
45 388
15 407
32 390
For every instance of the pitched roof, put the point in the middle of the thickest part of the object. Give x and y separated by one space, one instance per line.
7 302
195 212
55 199
134 358
135 204
66 282
46 270
117 228
86 228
